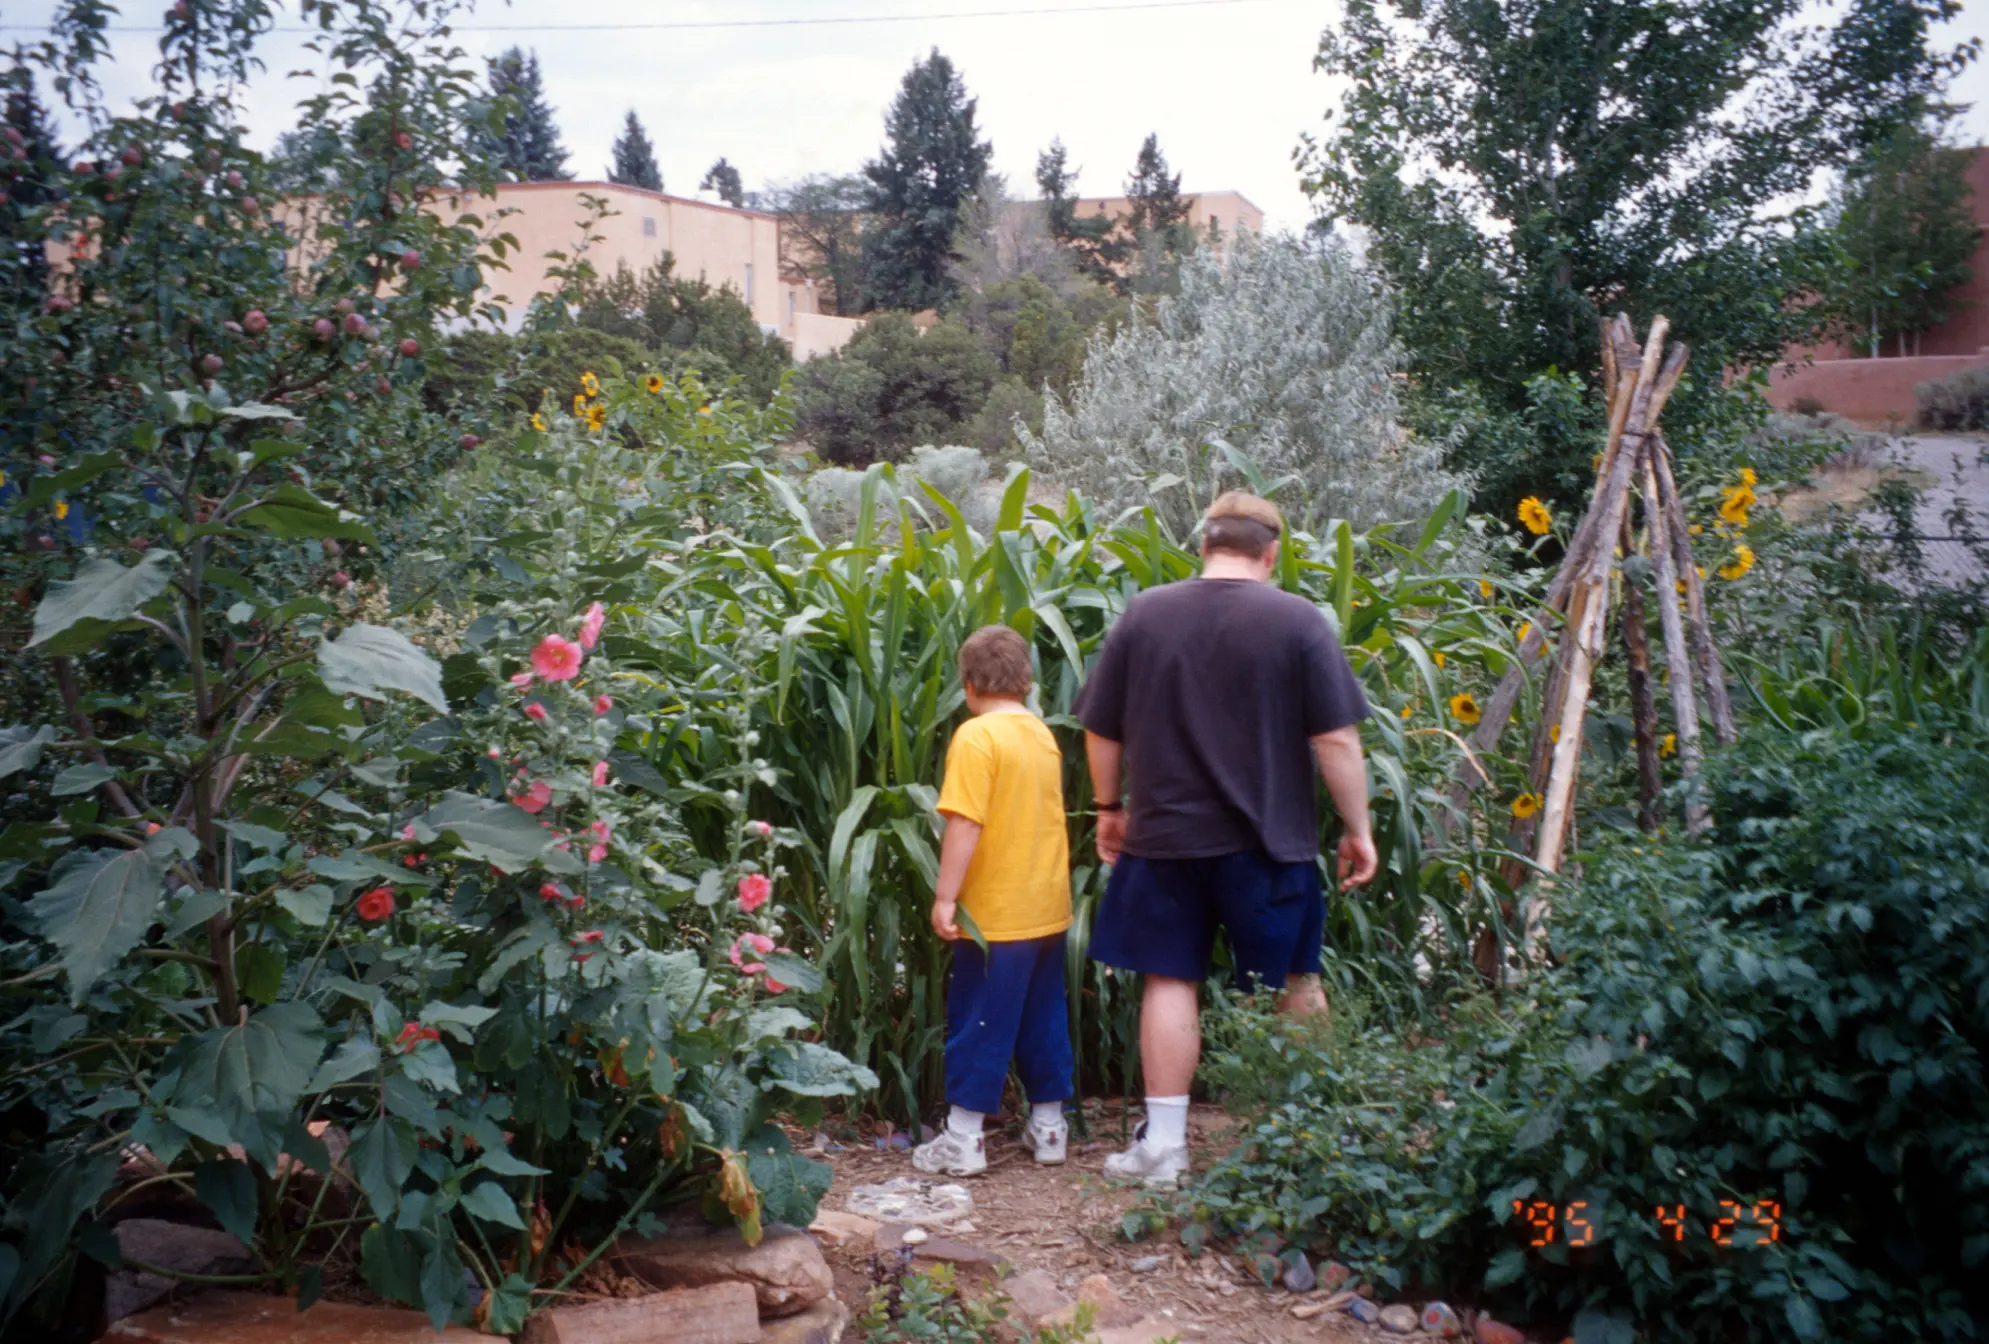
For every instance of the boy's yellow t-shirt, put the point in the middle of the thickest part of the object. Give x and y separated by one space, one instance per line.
1005 772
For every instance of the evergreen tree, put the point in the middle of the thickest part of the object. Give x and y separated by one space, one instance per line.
1905 232
1093 240
529 149
723 178
930 167
28 135
1156 222
635 157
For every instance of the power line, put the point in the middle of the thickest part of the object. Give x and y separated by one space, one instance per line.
1045 11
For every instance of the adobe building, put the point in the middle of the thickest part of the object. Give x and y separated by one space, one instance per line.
1878 391
1228 211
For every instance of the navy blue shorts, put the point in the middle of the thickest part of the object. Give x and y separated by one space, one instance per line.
1159 916
1004 1004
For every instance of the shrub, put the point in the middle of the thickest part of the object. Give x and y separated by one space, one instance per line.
691 323
1281 354
1958 401
892 387
993 428
1782 1025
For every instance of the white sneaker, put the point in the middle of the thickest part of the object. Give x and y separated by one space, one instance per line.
950 1154
1156 1168
1050 1143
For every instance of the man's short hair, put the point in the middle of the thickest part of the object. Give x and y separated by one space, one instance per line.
995 661
1241 523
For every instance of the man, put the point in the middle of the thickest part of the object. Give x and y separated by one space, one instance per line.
1210 701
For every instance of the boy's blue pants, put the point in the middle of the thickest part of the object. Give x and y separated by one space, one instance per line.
1007 1003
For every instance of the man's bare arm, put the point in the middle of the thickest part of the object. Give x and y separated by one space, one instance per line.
1345 771
1107 759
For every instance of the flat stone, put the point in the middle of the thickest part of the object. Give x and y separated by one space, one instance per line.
1399 1317
1305 1311
256 1318
1333 1276
1363 1310
1108 1310
1299 1275
1143 1331
925 1246
722 1313
786 1270
836 1227
176 1246
1490 1331
1146 1264
912 1200
1035 1296
1440 1320
824 1323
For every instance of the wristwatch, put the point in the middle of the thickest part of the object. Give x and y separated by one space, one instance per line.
1119 806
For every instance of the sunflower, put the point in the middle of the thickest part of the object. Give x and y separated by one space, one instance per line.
597 415
1464 709
1525 629
1409 709
539 423
1735 501
654 382
1533 515
1485 589
1747 476
1438 655
1695 529
1525 805
580 403
61 509
1743 560
1669 745
592 384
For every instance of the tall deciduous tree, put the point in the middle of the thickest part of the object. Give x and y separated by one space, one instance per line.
1092 240
723 179
931 164
821 238
1525 165
529 148
635 157
1905 232
36 184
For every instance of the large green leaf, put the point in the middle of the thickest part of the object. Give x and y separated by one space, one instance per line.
382 1158
228 1189
790 1186
293 511
489 1203
103 590
497 833
95 910
257 1067
371 660
812 1070
20 747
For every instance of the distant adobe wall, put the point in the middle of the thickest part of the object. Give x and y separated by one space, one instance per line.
1866 390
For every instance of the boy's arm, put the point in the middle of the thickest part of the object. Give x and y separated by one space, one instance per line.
956 851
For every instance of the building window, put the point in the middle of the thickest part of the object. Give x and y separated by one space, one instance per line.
790 307
749 284
1215 225
649 226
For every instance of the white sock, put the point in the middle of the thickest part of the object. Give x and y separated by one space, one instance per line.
1046 1114
965 1122
1166 1122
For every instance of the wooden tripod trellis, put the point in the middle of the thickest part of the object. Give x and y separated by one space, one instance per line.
1635 460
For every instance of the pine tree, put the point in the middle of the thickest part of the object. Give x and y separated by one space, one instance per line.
1093 240
635 157
529 149
930 167
1154 199
723 178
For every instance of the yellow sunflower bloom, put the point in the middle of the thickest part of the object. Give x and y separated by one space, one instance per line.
1409 709
591 384
1669 745
61 509
1525 629
654 382
1533 515
1439 657
1695 529
1553 732
1525 805
580 403
597 416
1747 476
1743 560
1485 589
539 423
1464 709
1735 503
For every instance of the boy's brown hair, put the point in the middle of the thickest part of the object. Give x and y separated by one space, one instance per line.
995 661
1242 523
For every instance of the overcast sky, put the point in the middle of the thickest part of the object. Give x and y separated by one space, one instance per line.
1227 84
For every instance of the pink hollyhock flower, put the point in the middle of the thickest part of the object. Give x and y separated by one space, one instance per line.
590 625
557 658
574 902
602 704
602 830
759 943
774 986
494 753
595 853
407 831
522 680
535 798
763 829
600 774
549 891
754 888
536 711
591 936
579 957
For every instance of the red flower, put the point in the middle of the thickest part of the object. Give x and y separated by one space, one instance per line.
600 774
376 904
754 889
537 711
550 892
591 936
757 942
557 659
535 798
590 625
413 1034
596 853
602 704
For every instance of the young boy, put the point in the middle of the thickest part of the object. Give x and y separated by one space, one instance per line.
1005 862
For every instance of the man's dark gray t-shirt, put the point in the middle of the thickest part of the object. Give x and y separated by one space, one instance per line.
1216 688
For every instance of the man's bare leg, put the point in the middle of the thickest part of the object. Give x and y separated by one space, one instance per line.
1303 996
1170 1035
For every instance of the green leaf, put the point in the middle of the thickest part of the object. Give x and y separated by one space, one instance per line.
103 590
382 1158
790 1186
198 907
370 660
352 1059
1602 1327
259 1066
811 1070
497 833
797 973
1507 1267
358 866
81 778
228 1189
966 922
48 486
489 1202
310 906
388 1261
500 1162
442 1289
510 1304
20 747
292 511
259 971
95 911
255 410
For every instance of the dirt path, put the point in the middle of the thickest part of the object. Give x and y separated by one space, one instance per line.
1946 468
1064 1221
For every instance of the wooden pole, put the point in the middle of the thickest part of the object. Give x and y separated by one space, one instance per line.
1643 704
1678 662
1705 651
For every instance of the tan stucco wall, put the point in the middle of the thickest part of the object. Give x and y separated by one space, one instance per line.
820 333
1871 391
1230 209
